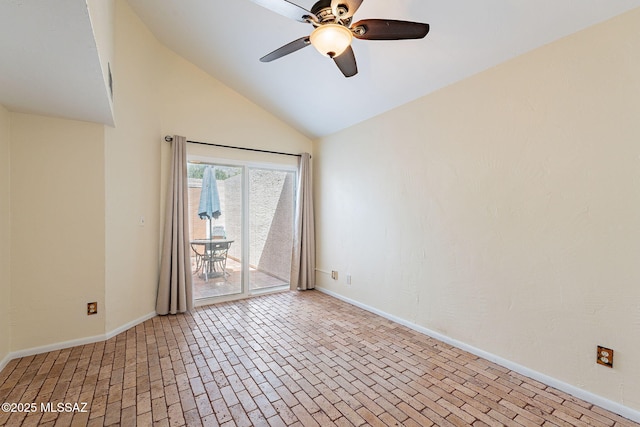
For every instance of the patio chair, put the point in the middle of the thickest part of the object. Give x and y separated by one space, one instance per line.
199 257
214 260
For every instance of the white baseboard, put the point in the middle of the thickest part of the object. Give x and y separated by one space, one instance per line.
130 325
74 343
3 362
587 396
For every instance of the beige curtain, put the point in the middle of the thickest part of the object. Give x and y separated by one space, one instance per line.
303 260
174 287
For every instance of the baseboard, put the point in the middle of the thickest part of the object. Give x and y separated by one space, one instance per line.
587 396
55 346
74 343
5 361
130 325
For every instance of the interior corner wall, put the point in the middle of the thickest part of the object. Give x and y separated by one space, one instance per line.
132 168
5 236
503 211
57 230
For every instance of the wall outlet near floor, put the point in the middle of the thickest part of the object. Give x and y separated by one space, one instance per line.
334 275
605 357
348 279
92 308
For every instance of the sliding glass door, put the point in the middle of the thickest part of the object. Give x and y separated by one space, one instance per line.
241 228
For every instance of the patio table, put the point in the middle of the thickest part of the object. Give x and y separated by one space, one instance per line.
211 256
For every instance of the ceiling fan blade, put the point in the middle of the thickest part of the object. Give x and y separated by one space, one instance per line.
286 8
350 5
287 49
388 29
347 63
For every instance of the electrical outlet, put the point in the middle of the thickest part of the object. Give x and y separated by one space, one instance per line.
334 275
92 308
605 357
348 279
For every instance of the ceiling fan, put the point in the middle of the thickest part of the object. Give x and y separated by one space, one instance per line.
334 32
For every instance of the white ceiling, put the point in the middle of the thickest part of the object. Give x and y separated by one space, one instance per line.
49 63
226 39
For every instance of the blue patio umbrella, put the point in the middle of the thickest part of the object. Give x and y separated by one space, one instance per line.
209 207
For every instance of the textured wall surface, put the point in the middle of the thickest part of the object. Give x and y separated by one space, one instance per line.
132 178
57 230
503 211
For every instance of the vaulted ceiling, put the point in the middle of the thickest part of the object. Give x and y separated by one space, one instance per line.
306 90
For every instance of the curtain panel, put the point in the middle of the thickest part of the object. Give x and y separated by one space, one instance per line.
303 260
175 283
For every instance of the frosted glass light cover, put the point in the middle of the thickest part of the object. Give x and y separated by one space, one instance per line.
331 39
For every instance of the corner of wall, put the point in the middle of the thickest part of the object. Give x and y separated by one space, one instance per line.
132 175
5 238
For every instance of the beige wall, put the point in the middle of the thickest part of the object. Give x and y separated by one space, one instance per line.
203 109
57 230
503 211
132 155
5 236
156 93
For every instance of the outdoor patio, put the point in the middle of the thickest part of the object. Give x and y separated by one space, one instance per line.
218 286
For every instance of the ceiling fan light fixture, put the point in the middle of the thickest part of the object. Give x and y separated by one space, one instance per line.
331 39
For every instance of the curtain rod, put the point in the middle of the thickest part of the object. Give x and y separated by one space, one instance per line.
170 138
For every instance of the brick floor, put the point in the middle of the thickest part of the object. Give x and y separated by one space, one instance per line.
288 359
